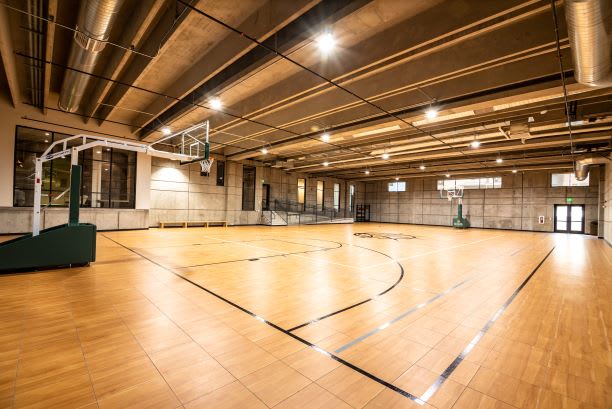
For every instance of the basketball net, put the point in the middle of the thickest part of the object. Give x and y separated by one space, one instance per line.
206 165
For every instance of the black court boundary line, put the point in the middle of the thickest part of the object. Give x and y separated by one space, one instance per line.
284 331
400 278
451 368
319 249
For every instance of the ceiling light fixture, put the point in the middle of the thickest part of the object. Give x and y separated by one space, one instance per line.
447 175
166 130
431 113
264 151
385 156
514 170
367 172
326 163
216 104
98 152
325 137
326 42
46 141
475 143
396 178
499 160
422 167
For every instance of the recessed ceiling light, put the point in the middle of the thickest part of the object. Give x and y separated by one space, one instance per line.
47 134
514 171
447 175
367 172
377 131
543 112
422 167
108 149
431 113
264 151
215 103
396 178
499 160
46 141
326 42
325 163
166 130
325 137
475 143
98 152
385 156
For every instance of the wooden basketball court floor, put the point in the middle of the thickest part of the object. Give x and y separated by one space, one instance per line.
329 316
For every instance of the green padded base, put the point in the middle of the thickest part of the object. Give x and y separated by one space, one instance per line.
57 246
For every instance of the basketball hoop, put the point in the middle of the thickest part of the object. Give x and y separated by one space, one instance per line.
451 194
205 166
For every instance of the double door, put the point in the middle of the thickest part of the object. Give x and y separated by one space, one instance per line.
569 218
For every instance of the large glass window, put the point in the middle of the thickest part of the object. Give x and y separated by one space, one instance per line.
351 198
472 183
567 179
301 191
320 194
108 180
336 196
396 187
248 188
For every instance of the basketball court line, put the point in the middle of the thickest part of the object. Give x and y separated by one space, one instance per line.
403 315
278 328
419 400
435 251
433 388
319 249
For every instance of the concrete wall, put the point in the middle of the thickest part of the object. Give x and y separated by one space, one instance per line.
606 230
517 205
180 193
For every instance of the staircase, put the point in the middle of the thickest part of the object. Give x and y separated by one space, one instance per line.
292 213
273 218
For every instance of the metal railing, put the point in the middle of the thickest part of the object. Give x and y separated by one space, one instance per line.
300 213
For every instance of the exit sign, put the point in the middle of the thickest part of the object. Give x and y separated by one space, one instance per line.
569 200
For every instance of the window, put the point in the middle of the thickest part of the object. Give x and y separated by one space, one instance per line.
351 198
336 196
248 188
220 173
397 187
473 183
108 179
301 190
320 194
567 179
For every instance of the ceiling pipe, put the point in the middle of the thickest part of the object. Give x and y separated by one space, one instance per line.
94 24
584 163
589 25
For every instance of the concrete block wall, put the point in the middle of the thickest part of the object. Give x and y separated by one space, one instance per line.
15 220
517 205
179 192
283 187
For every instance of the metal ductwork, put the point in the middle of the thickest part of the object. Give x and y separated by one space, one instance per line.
94 24
589 25
583 164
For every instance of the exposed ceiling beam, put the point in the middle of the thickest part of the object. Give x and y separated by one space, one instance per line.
285 37
7 56
142 18
168 24
50 40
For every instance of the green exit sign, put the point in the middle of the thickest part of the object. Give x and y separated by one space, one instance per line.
569 200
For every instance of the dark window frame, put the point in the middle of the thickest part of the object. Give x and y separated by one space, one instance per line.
220 179
246 204
110 163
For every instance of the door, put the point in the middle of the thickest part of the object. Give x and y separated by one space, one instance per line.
265 197
569 218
